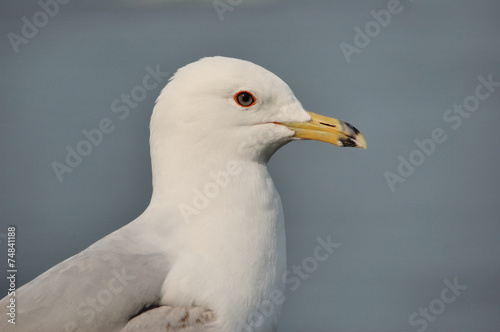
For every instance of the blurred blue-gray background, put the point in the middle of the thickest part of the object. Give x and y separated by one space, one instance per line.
403 232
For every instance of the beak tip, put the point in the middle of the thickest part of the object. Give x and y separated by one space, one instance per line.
354 141
361 141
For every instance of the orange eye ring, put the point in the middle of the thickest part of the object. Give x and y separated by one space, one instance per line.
245 99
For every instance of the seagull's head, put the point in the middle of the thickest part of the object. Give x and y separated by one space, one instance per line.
222 105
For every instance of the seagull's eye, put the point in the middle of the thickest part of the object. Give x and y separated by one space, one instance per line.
244 98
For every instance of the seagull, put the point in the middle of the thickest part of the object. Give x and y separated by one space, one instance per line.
209 250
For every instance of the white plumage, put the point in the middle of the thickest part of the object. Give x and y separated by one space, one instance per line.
210 248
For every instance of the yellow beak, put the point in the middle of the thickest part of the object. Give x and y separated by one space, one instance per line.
329 130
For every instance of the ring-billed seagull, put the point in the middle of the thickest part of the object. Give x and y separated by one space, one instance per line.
209 250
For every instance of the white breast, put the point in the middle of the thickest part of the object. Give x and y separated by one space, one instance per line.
231 256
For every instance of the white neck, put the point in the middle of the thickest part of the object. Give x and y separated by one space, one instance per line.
225 227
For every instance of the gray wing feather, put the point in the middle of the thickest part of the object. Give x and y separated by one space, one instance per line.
99 289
